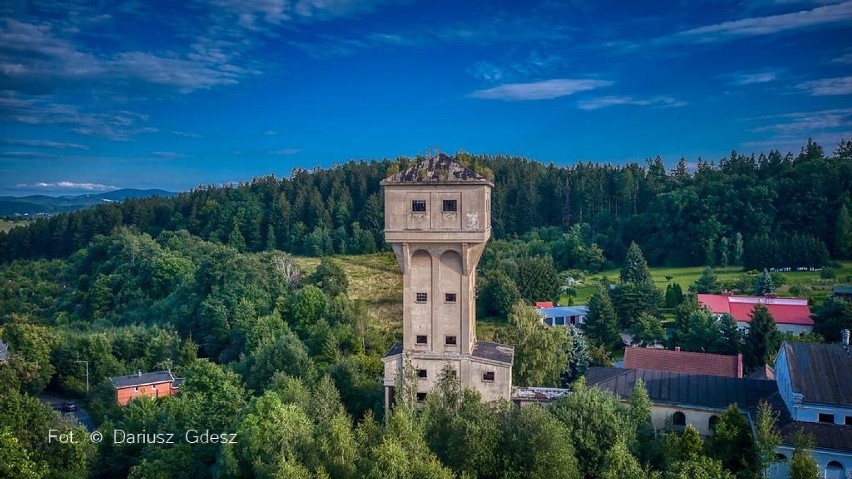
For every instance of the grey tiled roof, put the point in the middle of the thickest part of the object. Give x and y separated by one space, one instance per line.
439 168
494 352
696 390
142 379
395 349
822 373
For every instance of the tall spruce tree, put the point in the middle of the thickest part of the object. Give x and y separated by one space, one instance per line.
762 340
843 233
635 269
601 325
764 284
708 282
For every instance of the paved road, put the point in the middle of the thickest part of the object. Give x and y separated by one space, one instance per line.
81 415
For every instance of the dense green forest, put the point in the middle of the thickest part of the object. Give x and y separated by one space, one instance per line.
204 284
784 210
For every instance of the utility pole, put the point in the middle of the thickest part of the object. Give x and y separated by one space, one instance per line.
87 375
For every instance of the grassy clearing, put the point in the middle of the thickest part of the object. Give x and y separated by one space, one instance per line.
7 225
809 282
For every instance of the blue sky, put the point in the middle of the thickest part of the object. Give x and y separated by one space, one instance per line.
145 94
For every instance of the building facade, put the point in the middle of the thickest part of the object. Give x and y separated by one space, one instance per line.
791 315
437 220
563 315
152 385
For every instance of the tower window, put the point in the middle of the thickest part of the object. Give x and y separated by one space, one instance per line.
829 418
421 297
451 206
449 297
450 340
422 339
418 206
848 421
422 374
421 397
488 376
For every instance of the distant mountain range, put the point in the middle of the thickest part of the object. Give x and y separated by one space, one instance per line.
42 204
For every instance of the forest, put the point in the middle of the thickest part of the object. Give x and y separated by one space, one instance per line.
205 284
692 215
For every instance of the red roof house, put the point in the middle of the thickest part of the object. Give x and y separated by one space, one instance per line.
543 304
683 362
791 314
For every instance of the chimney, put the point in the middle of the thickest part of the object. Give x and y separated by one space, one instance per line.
677 348
139 373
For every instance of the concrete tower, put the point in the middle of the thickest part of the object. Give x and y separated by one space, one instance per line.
438 220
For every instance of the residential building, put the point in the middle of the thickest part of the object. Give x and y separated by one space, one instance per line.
792 315
686 362
153 385
696 399
563 315
843 292
815 391
437 221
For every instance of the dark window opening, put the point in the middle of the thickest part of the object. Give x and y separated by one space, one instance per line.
450 340
829 418
421 397
488 376
679 419
422 297
449 297
418 206
713 421
421 373
421 339
451 206
848 421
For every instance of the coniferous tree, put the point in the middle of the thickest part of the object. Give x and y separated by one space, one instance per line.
635 269
732 337
738 249
601 326
764 284
762 340
674 295
708 282
578 355
843 233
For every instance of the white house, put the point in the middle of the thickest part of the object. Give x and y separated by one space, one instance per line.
815 385
791 315
563 315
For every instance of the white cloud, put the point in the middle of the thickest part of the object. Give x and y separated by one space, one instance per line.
824 15
541 90
845 59
271 133
827 86
68 185
186 134
46 144
607 101
169 155
285 151
753 78
799 123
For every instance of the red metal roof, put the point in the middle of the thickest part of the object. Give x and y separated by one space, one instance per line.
544 304
683 362
783 310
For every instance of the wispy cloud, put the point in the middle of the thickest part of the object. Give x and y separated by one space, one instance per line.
845 59
271 133
186 134
607 101
754 78
285 151
827 86
540 90
169 155
46 144
806 122
256 14
766 25
67 185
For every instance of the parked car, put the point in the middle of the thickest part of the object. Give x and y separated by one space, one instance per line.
69 406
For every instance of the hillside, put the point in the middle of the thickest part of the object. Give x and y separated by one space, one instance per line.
33 205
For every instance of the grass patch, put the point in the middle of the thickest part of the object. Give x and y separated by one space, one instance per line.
7 225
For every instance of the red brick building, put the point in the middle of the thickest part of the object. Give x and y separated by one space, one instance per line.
153 385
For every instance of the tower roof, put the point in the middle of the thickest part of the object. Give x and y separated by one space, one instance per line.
440 168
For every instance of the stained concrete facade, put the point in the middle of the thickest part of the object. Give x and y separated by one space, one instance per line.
437 220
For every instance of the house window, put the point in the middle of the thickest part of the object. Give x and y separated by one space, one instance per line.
848 421
421 297
451 206
828 418
421 373
421 339
421 397
136 388
449 297
488 376
679 420
418 206
450 340
713 421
